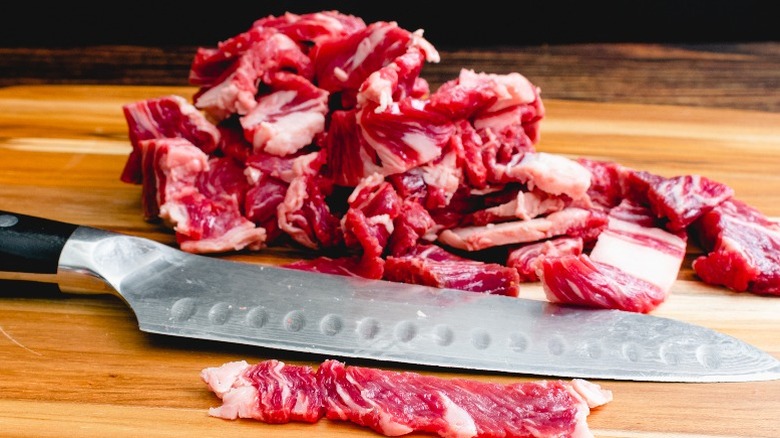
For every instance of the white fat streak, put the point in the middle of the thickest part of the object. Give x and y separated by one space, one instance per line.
552 173
286 211
384 220
445 175
431 54
495 120
276 373
634 258
244 235
480 237
588 395
511 89
392 163
237 403
252 174
526 205
329 21
671 241
422 144
574 287
459 422
365 48
593 394
372 180
775 233
289 133
509 209
221 379
226 98
387 424
269 104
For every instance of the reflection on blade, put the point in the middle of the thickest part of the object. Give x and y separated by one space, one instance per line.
181 294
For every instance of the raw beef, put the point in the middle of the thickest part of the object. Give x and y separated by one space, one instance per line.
369 222
742 249
165 117
397 403
234 89
527 258
318 131
168 166
431 265
632 265
270 391
572 221
311 29
607 182
579 280
199 198
680 200
287 118
342 65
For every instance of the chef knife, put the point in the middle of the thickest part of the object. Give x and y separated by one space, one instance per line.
176 293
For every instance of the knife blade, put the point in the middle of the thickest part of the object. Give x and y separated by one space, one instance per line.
175 293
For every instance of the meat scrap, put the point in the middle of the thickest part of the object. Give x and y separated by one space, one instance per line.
742 249
397 403
631 267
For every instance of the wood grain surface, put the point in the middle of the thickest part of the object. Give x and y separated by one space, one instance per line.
78 366
741 75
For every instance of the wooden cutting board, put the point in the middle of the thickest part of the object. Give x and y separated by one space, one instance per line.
78 366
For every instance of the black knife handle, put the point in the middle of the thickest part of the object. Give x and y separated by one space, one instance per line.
31 244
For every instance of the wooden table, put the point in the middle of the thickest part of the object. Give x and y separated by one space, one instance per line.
78 366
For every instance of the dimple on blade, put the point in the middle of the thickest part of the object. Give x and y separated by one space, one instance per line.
181 294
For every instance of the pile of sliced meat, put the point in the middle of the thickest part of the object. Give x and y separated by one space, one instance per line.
397 403
318 130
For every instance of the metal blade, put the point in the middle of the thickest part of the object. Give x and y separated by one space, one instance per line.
181 294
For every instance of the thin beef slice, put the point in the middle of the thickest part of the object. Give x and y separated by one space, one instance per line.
396 403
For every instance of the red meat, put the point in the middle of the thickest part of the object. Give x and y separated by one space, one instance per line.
742 249
396 403
319 130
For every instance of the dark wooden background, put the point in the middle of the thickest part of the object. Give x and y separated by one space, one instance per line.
448 24
702 53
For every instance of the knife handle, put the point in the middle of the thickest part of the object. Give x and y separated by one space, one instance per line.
31 244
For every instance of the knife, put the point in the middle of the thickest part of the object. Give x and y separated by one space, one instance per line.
176 293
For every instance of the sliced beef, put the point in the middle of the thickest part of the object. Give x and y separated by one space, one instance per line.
311 29
579 280
607 182
523 205
168 166
305 215
430 265
551 173
631 267
270 391
394 82
363 142
742 249
164 117
680 199
369 222
287 118
397 403
572 221
527 258
319 130
234 91
342 65
491 101
200 198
